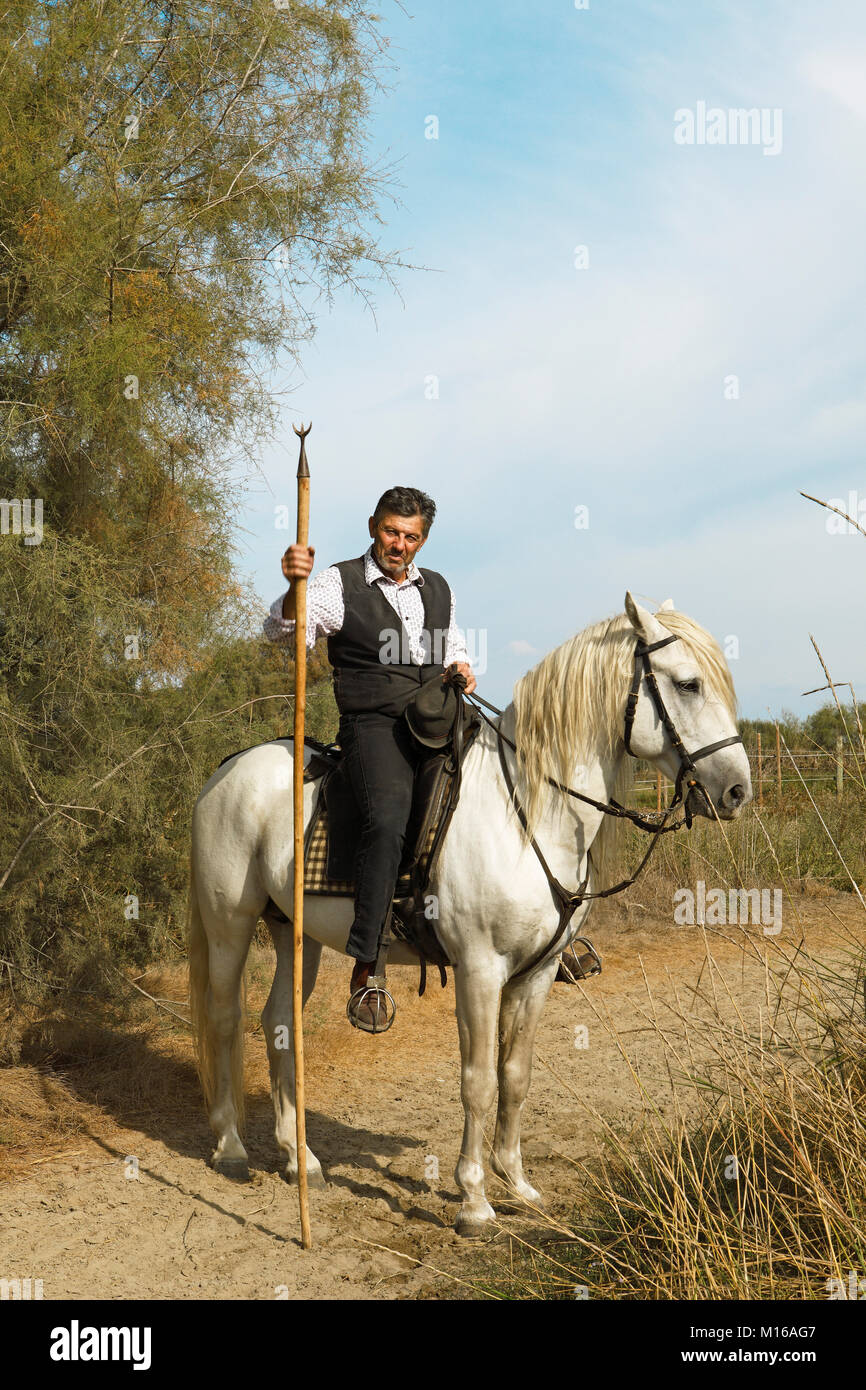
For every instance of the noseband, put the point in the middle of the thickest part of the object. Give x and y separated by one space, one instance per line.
687 773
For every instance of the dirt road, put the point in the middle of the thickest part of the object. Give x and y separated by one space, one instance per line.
107 1193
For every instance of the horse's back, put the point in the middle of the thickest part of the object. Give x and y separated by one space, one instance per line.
250 791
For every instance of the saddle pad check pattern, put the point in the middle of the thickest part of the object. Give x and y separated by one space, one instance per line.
316 880
316 864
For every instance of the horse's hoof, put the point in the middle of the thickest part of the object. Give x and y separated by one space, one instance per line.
315 1177
472 1227
521 1197
521 1208
235 1169
471 1230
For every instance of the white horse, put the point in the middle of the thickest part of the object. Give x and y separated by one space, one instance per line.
495 907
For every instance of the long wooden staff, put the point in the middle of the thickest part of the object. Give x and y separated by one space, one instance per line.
298 815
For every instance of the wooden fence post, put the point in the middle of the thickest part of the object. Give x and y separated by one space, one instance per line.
658 791
760 775
839 765
778 764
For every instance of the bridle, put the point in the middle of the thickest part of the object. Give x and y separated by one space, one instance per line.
567 902
687 773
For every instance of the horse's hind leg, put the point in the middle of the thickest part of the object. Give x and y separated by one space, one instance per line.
277 1018
229 943
520 1010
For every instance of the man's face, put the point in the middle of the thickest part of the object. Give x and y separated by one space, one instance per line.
396 541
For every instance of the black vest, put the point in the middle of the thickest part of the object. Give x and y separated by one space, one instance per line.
373 669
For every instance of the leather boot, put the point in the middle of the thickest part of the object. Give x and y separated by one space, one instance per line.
366 1013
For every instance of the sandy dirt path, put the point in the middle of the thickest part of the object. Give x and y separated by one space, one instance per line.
384 1117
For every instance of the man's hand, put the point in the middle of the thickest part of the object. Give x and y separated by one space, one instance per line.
297 563
464 669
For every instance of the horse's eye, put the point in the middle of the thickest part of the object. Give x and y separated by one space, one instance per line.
691 687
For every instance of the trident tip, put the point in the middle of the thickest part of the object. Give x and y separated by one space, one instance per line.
303 466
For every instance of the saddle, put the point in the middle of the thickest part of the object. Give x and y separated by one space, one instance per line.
334 830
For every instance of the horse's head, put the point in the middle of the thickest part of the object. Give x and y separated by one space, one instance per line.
694 688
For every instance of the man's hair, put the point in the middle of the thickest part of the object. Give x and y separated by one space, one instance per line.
406 501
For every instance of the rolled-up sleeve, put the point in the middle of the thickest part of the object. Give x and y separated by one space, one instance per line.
325 611
455 643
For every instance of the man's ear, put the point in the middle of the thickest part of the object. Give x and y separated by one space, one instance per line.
648 628
371 526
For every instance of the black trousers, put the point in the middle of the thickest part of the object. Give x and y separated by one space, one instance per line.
380 761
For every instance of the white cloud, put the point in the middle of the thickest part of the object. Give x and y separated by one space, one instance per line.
842 76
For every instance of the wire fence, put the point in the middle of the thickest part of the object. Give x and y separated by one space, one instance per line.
776 776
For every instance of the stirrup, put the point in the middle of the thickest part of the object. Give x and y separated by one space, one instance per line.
585 966
381 1005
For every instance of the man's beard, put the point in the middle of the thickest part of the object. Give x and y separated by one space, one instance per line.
386 561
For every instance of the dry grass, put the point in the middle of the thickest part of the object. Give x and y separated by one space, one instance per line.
755 1186
77 1060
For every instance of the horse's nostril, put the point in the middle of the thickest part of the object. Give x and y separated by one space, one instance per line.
735 795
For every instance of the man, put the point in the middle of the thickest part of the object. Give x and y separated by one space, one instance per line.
390 628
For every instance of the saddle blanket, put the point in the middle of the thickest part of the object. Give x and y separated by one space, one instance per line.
327 864
332 835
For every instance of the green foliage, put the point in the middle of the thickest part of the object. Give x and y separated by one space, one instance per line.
827 724
172 180
178 185
790 728
101 764
819 729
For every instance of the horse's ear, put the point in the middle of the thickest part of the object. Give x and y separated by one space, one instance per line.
648 628
667 606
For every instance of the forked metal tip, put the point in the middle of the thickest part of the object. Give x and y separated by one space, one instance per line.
303 466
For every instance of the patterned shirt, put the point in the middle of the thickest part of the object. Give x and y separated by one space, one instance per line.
326 609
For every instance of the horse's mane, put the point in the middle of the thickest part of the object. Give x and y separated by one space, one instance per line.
570 709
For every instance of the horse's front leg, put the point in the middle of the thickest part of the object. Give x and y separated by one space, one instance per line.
520 1010
277 1024
477 1008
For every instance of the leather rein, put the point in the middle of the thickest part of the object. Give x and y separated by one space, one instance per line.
567 903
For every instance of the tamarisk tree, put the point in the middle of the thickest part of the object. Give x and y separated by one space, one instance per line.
180 185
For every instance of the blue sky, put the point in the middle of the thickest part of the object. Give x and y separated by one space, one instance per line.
605 387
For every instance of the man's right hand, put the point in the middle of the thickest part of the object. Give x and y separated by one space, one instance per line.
298 562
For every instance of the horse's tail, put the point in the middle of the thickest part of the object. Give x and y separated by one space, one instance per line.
199 981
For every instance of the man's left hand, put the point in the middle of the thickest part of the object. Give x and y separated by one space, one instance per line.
464 669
